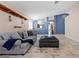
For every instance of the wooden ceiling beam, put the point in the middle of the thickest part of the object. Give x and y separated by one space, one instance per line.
9 11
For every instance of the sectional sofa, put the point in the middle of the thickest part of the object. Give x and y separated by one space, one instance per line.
18 47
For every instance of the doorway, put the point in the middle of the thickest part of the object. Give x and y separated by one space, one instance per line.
51 27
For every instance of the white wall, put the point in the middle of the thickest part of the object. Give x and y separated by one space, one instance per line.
6 26
72 24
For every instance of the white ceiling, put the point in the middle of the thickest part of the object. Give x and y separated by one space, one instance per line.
40 9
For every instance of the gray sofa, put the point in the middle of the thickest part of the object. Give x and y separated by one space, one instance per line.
18 47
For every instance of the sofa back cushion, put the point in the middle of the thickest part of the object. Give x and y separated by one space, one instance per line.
21 34
1 38
1 41
5 36
25 34
15 36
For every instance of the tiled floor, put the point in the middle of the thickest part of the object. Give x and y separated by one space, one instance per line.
68 49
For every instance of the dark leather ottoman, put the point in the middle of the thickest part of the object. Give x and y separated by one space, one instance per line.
46 41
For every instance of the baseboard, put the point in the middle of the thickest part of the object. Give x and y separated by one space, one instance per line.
72 38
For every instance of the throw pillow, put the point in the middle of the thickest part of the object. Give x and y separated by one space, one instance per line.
5 36
21 34
15 36
1 41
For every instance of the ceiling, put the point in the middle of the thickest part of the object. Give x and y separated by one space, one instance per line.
40 9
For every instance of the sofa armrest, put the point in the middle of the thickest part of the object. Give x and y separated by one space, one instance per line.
24 45
18 43
32 33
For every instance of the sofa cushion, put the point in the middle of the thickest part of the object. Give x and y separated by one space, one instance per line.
25 45
1 38
16 36
2 41
17 43
21 34
30 41
25 34
5 36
